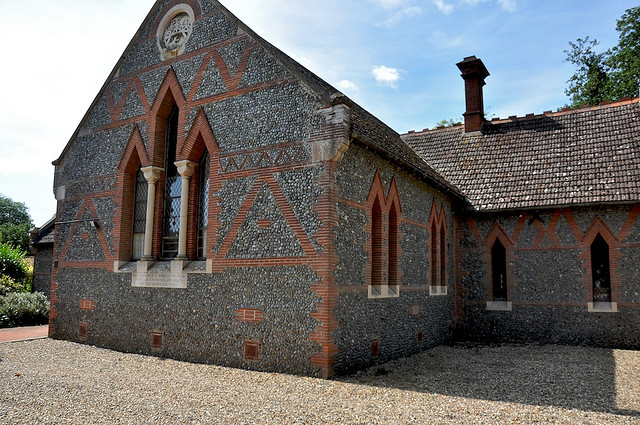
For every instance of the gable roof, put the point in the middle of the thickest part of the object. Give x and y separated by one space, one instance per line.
366 128
572 157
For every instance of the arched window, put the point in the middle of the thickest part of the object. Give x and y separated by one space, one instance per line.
203 206
499 271
443 257
139 215
600 270
434 254
393 247
172 190
376 244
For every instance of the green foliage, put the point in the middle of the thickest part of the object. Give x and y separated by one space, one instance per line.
15 234
448 123
13 263
9 285
15 223
612 74
23 309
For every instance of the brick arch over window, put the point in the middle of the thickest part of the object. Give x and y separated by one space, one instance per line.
505 249
169 96
133 157
439 231
385 214
597 233
201 141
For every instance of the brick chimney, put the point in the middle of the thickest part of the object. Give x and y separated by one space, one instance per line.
473 73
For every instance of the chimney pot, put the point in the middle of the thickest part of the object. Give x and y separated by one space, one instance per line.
473 72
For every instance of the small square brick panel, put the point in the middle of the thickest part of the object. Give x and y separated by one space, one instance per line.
251 350
156 340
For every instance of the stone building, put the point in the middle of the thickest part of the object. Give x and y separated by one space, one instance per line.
219 203
41 241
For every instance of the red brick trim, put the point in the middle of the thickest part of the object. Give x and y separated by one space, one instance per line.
438 259
88 305
87 204
284 206
387 203
497 232
200 139
252 315
134 156
252 350
598 226
156 340
82 330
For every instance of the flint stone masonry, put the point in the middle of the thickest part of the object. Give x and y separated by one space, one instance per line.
198 323
276 239
289 233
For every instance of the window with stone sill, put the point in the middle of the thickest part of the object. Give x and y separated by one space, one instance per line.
438 254
172 190
384 251
499 278
139 215
203 207
601 277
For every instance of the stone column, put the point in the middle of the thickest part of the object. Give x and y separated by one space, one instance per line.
185 168
152 175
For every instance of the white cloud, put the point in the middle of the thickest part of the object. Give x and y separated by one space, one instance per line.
443 7
397 17
346 85
386 76
389 4
508 5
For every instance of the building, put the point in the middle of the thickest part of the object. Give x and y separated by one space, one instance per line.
41 240
219 203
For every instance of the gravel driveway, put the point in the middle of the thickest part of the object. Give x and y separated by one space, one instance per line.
55 382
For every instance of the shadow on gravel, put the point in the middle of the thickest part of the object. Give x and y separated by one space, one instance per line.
571 377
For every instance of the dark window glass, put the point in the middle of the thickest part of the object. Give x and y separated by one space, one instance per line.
434 255
443 257
600 271
172 190
393 247
203 205
376 244
499 271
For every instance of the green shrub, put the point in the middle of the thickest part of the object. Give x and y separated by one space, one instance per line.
23 309
13 263
8 285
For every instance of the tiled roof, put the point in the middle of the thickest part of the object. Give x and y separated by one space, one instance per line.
571 157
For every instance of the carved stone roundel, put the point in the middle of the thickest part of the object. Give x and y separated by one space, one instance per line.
177 32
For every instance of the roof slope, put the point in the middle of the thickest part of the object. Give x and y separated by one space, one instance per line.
583 156
370 130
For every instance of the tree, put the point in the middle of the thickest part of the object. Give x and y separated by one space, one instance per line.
612 74
15 223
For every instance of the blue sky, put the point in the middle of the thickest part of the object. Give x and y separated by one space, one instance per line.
396 58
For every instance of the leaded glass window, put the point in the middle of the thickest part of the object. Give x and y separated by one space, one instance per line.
139 215
203 205
172 190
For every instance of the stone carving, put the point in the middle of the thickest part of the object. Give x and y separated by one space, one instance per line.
177 32
174 30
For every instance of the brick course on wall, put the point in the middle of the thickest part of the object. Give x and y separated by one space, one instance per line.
549 276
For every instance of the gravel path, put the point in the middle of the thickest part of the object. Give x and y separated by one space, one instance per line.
55 382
